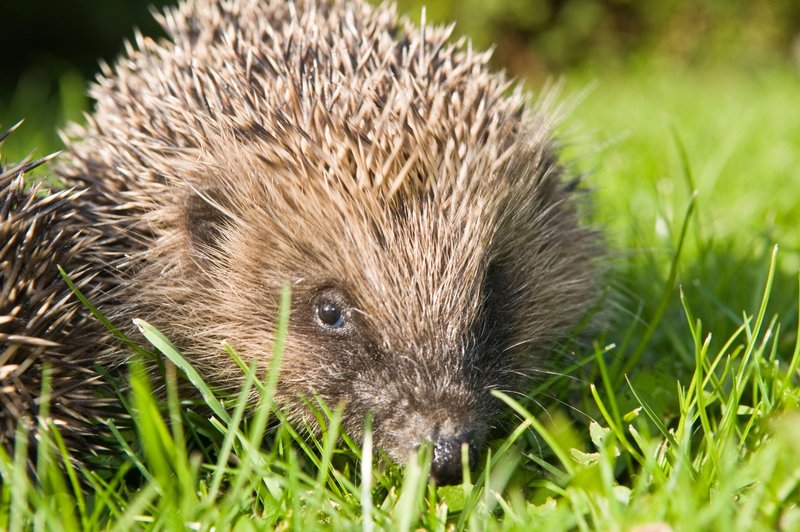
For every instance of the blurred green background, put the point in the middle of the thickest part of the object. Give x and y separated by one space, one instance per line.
533 37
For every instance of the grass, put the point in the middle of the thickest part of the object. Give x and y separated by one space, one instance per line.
688 417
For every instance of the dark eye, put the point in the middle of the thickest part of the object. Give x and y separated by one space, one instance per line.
330 314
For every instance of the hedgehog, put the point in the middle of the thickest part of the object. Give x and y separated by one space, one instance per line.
411 196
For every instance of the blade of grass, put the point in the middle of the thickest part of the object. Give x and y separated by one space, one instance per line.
663 304
168 349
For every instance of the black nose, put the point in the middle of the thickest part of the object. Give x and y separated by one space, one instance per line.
446 465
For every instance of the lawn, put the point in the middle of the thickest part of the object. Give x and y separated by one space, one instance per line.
685 416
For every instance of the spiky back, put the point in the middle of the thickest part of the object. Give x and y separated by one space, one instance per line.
344 92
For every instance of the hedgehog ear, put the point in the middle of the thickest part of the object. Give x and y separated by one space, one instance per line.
204 218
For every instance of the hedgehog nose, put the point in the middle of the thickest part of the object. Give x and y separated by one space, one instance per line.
446 467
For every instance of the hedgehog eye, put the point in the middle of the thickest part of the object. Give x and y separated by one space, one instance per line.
330 315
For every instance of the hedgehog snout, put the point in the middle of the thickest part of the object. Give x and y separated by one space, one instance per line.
447 437
447 463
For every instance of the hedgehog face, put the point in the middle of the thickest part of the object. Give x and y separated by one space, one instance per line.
403 333
412 309
398 308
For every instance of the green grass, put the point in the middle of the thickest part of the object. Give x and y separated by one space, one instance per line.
688 416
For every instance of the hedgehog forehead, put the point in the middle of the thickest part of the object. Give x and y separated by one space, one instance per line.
418 276
411 259
409 254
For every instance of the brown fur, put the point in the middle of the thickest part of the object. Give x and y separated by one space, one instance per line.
369 163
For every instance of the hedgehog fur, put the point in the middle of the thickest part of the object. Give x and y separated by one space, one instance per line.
409 194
